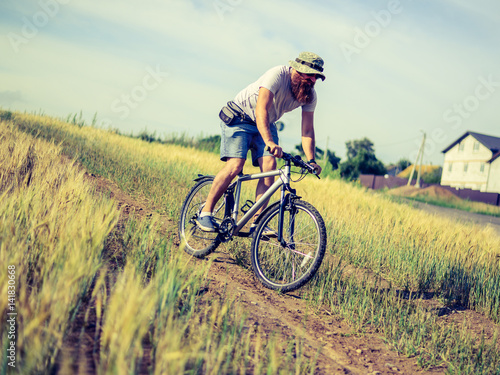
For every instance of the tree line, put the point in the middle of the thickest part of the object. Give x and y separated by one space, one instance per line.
361 158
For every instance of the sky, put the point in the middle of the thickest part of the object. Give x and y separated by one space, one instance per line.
395 69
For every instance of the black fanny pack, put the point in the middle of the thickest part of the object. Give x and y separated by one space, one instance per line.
233 111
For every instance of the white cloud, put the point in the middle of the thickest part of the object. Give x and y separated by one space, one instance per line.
93 53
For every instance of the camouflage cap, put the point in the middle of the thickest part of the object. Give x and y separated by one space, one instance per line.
309 63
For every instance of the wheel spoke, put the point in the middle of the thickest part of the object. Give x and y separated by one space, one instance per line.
290 266
195 241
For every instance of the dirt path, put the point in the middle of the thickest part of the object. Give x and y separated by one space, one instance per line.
460 215
341 350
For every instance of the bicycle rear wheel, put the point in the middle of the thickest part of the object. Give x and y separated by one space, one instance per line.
194 240
288 265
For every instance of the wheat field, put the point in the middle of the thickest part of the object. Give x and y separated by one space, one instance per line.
59 235
54 230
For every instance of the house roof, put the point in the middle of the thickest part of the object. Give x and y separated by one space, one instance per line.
495 156
488 141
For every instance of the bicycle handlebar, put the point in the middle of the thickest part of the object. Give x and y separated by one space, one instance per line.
297 161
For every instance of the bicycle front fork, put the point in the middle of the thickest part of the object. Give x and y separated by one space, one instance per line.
287 205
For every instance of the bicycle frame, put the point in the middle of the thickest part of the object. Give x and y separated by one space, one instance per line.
289 241
282 182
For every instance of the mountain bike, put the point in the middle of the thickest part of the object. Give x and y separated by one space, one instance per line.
289 242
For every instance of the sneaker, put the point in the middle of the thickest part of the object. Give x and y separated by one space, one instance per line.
207 224
268 232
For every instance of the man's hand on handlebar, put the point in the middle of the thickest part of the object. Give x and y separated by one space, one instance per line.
275 149
296 160
317 168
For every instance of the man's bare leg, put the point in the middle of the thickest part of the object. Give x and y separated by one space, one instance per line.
222 180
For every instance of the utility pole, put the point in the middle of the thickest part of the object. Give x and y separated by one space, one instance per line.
325 159
417 185
420 155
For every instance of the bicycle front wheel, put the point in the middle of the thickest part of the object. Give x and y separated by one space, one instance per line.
194 240
291 263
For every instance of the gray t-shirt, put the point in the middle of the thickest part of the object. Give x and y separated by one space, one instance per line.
278 81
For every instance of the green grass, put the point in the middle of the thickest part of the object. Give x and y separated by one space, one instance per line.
407 325
52 230
412 252
157 312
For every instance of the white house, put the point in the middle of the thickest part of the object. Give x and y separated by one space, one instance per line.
473 161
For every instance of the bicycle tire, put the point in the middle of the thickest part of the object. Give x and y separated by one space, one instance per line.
193 240
288 268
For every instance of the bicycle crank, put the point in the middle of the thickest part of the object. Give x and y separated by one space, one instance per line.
226 229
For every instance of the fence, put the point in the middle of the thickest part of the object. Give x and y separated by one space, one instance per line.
390 182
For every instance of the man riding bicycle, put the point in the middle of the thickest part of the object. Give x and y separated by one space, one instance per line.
248 124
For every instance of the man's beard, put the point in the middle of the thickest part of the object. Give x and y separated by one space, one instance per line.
302 89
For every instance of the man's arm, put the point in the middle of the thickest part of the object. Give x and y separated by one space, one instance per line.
264 102
308 137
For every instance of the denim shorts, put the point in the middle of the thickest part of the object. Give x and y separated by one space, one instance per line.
240 137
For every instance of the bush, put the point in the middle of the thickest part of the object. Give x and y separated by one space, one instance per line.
363 163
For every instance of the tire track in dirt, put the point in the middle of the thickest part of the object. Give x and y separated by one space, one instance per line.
341 350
